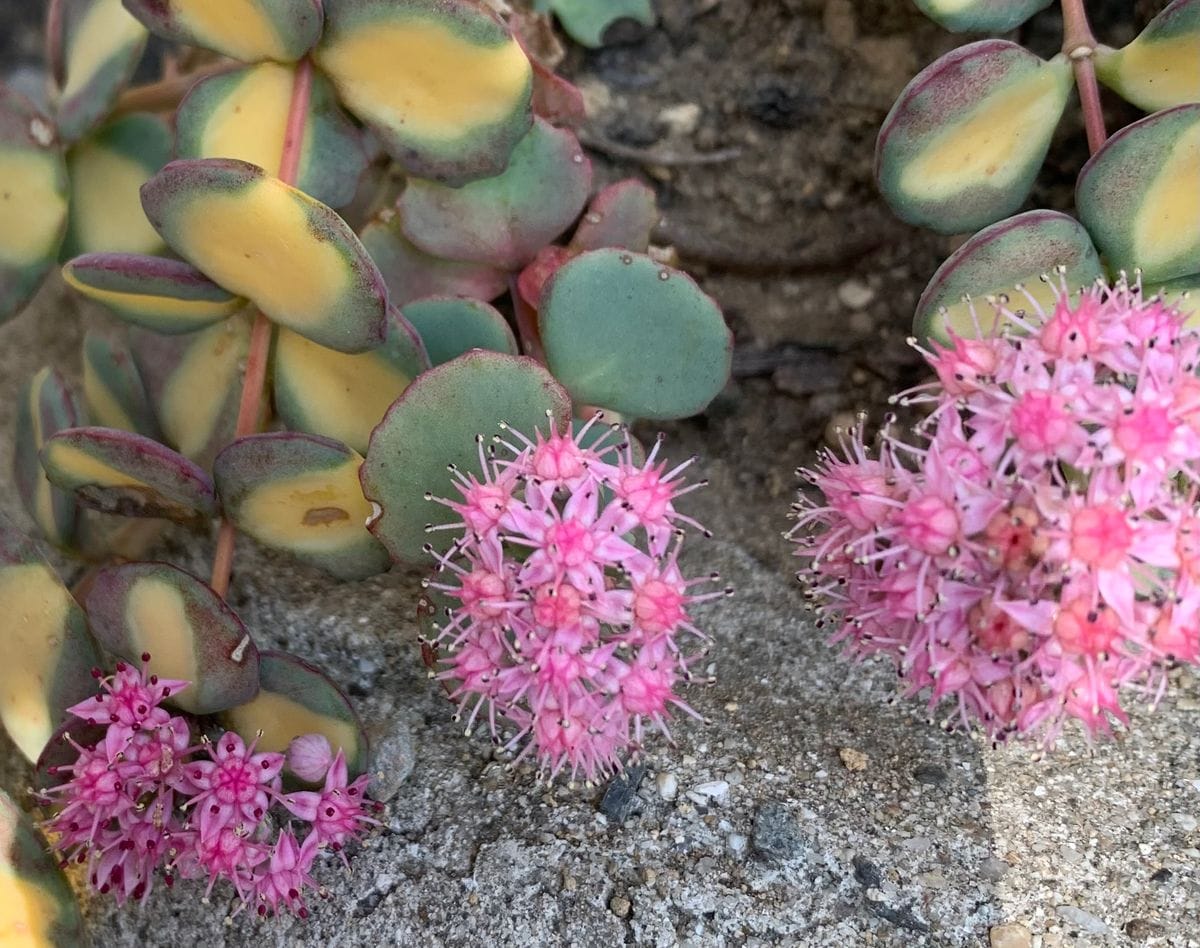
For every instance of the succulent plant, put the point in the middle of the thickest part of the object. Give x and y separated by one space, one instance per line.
39 908
962 146
371 244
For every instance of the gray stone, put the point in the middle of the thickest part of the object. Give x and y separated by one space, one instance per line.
1083 919
620 796
393 756
776 835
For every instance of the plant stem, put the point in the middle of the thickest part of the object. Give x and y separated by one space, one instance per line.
167 92
1079 45
254 380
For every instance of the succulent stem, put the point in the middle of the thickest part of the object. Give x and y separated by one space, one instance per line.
1079 45
250 407
166 93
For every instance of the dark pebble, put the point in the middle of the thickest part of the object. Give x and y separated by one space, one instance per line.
1162 875
932 775
867 873
620 798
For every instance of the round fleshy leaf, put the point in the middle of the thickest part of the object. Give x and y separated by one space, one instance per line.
556 100
411 274
107 171
442 82
46 652
243 114
119 472
452 325
101 45
300 493
39 909
188 631
437 422
195 384
587 21
33 202
1139 196
296 698
1183 294
260 238
113 389
623 332
503 221
962 145
981 16
1019 250
1161 68
622 215
249 30
47 405
167 296
325 392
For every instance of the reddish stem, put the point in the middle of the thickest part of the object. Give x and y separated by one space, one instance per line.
254 380
1079 45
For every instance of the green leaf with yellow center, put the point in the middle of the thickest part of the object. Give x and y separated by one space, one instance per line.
625 333
981 16
1183 294
167 296
587 21
123 473
47 405
33 200
1161 68
188 631
99 45
411 274
300 493
442 82
452 325
325 392
37 906
1019 250
243 114
46 652
260 238
296 698
505 220
107 171
1139 195
249 30
962 146
195 383
113 389
437 422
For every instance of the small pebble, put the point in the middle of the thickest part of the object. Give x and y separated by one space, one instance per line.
620 906
736 844
714 791
1186 822
1083 919
855 294
668 786
854 760
1010 935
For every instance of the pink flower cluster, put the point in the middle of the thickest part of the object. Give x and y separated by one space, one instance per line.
145 798
568 602
1034 549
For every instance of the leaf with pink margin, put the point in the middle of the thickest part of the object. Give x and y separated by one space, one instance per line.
300 493
555 99
963 143
100 46
48 404
411 274
33 213
1019 250
249 30
258 237
297 698
452 325
167 296
503 221
188 631
128 474
534 277
622 215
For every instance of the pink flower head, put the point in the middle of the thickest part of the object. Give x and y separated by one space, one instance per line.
570 608
337 812
235 786
1031 553
286 876
130 702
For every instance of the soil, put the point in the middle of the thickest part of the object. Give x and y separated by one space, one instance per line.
814 809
